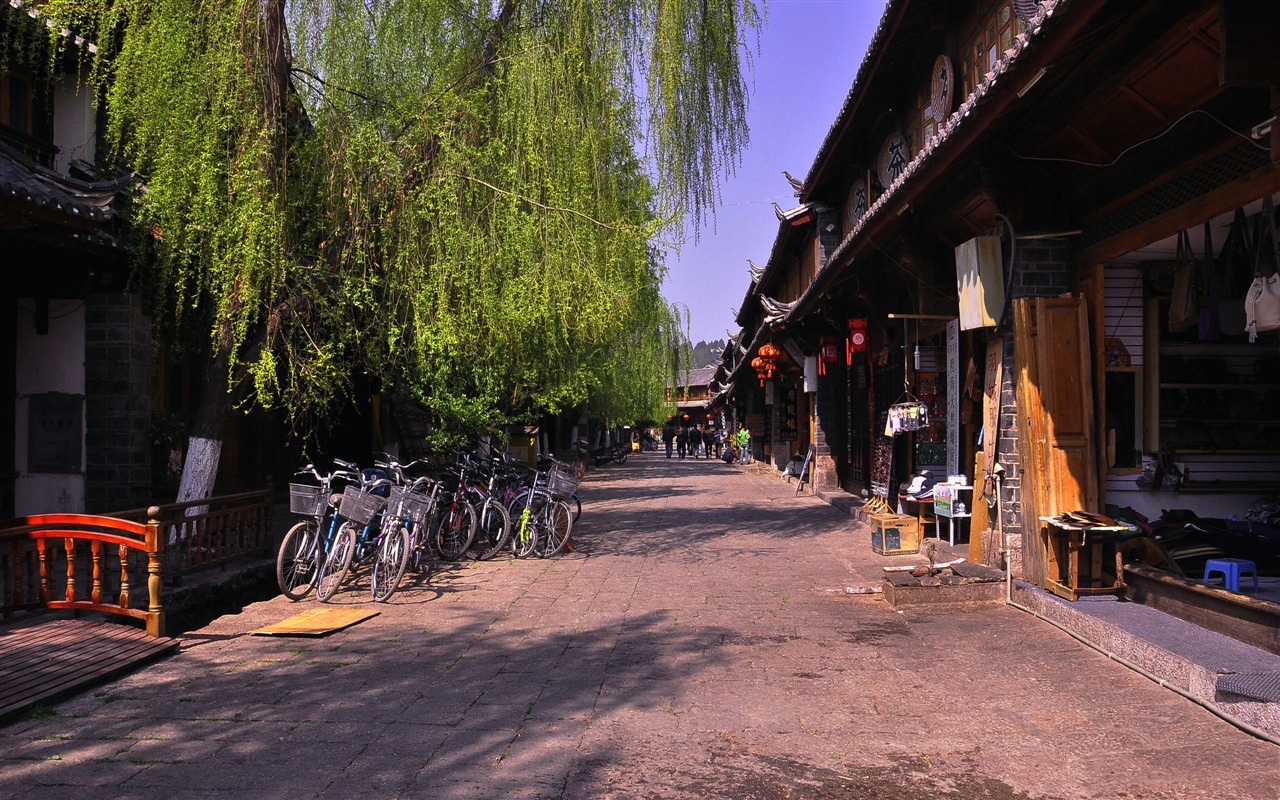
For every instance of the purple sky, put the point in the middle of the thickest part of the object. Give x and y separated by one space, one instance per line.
810 52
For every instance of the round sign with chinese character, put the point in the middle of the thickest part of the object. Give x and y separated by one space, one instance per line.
892 161
856 204
941 89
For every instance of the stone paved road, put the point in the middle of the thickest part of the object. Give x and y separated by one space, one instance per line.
702 643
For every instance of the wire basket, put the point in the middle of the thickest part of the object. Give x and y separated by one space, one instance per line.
358 506
304 499
561 481
408 505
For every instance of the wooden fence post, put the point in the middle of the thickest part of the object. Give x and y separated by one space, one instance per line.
155 543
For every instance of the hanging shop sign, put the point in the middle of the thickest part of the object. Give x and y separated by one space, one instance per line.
941 89
980 282
953 397
892 161
858 200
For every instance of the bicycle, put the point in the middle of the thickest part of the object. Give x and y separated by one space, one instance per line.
568 490
406 509
358 506
453 525
303 547
544 523
493 521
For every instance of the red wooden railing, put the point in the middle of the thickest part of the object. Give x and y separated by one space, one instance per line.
42 565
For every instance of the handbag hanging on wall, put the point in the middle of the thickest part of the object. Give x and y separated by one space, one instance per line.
1262 302
1237 265
1184 305
1210 326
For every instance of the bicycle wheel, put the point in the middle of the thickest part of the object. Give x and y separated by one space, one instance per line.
336 561
555 522
389 563
493 529
454 529
524 534
576 505
296 561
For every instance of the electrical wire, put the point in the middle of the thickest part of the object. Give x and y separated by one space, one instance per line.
1165 132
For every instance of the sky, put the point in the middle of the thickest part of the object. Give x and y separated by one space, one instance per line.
810 51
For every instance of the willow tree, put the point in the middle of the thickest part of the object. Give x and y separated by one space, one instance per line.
461 197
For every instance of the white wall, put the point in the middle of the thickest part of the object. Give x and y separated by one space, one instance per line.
73 123
50 363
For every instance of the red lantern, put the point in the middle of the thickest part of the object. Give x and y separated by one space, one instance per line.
828 352
757 364
857 342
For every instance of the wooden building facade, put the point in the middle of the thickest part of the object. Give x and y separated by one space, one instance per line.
1035 223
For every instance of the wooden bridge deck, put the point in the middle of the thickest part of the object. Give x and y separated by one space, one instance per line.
43 660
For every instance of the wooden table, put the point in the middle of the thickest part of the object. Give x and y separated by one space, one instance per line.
1069 574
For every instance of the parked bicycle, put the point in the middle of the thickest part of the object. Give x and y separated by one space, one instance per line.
541 524
308 542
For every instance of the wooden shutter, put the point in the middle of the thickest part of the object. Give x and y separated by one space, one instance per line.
1055 418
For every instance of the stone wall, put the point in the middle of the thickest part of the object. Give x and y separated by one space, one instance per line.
117 403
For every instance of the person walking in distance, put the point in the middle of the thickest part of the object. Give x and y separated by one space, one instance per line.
709 441
744 444
669 434
682 439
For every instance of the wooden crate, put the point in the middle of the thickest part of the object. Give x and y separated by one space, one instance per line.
895 534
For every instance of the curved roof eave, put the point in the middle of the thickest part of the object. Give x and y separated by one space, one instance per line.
961 120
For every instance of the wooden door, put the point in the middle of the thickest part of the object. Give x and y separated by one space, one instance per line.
1055 419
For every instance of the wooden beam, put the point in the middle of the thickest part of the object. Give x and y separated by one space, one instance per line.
1232 195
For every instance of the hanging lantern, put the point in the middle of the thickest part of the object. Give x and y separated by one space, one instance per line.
764 370
828 352
769 353
857 341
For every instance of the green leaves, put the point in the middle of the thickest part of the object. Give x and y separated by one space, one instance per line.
462 199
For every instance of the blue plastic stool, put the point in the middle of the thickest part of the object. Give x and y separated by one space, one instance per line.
1231 569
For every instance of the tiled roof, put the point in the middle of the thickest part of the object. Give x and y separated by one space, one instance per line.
958 119
25 181
961 118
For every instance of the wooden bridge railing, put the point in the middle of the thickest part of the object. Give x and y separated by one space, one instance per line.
203 534
82 562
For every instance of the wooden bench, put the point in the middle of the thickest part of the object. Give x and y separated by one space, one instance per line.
76 563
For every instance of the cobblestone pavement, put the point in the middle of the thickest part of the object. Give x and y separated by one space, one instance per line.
703 642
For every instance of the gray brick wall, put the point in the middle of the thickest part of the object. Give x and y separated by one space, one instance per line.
117 403
1043 270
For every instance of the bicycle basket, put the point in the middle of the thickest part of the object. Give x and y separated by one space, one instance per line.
408 505
561 481
358 506
304 499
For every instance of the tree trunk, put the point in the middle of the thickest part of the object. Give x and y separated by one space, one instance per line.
204 445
